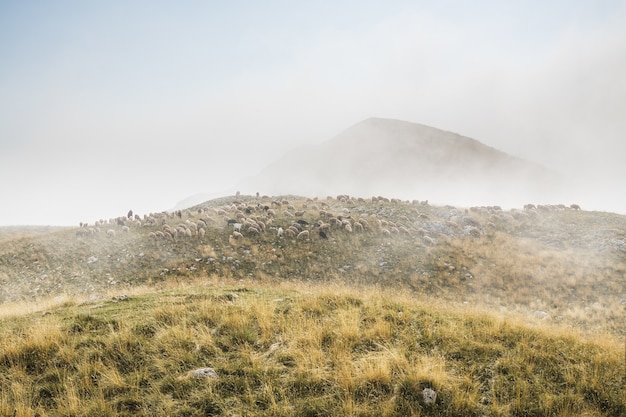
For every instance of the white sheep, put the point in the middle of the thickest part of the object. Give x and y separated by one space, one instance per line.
111 233
303 234
280 232
237 235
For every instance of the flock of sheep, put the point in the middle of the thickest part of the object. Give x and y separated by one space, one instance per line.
307 219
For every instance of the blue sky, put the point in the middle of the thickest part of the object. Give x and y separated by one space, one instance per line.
107 106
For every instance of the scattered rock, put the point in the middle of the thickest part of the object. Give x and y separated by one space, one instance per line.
204 373
429 395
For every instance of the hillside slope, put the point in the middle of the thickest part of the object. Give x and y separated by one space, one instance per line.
567 264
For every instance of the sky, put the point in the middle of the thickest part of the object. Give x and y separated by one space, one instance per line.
118 105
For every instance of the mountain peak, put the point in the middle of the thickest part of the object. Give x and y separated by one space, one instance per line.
380 156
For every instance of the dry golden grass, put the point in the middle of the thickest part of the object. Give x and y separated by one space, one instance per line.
301 349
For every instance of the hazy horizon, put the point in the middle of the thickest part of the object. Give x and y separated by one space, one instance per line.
114 106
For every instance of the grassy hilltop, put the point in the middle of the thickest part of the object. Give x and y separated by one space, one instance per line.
499 312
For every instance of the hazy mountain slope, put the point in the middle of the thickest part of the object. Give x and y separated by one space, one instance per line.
407 160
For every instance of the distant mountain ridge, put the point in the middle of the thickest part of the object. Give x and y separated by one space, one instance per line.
392 157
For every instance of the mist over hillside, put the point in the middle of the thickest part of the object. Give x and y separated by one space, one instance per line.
410 161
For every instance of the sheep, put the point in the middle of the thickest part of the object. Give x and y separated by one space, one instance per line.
110 233
290 233
303 234
363 223
237 235
253 230
288 213
201 232
237 227
279 232
348 228
428 240
574 206
474 232
358 227
299 213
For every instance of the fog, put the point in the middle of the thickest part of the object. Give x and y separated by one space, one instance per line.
114 106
